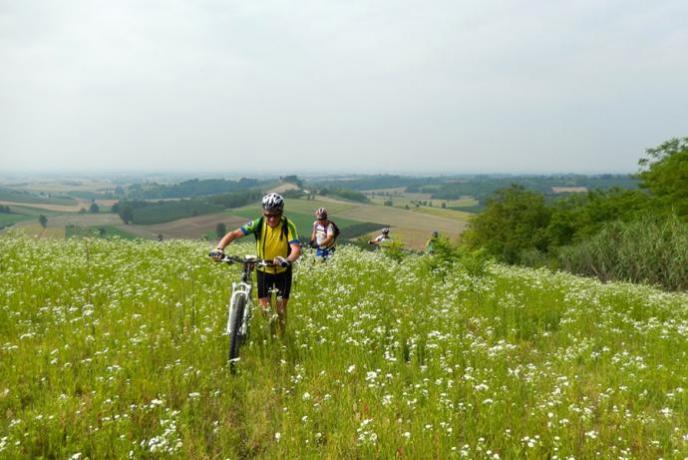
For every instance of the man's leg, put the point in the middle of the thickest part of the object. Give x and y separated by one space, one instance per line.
264 305
263 298
268 314
281 308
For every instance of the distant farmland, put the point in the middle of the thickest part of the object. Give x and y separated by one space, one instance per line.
50 206
400 198
413 227
189 228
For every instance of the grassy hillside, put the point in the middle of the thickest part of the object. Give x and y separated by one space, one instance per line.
114 349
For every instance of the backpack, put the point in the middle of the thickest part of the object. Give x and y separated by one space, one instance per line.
336 230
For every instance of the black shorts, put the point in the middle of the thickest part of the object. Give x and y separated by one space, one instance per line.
280 281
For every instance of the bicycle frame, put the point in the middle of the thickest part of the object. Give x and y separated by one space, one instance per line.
242 288
238 327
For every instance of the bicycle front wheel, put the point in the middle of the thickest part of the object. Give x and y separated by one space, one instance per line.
236 318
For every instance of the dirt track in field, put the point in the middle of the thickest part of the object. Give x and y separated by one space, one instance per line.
189 228
74 208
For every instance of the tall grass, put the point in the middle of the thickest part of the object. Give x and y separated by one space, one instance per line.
651 250
114 349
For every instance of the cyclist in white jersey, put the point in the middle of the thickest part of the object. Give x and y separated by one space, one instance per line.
323 234
382 239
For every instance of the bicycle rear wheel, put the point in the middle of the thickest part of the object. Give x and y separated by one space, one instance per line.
236 318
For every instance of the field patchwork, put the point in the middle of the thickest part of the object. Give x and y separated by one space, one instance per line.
412 227
188 228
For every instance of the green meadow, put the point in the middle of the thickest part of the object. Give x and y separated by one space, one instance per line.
115 349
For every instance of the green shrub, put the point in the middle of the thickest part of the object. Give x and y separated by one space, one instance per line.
446 257
514 220
474 262
650 250
395 251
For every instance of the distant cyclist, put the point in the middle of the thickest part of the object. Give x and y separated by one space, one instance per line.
382 239
323 234
432 242
276 240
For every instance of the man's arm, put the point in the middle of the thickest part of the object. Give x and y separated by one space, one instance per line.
229 237
294 244
312 235
295 252
330 237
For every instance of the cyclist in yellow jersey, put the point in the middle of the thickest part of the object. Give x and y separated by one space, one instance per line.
276 240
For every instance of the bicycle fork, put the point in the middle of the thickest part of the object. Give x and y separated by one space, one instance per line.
240 290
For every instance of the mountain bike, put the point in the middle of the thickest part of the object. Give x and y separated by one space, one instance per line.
240 309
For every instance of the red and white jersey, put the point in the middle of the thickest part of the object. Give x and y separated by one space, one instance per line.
322 231
382 238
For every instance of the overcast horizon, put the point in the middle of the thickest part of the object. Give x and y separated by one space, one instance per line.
439 87
206 174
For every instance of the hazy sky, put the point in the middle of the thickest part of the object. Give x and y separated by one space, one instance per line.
368 86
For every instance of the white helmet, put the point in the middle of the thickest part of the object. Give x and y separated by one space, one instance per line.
321 213
273 202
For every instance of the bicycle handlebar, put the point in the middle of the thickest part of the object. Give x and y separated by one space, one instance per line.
246 260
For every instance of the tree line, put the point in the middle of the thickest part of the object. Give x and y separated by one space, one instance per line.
190 188
153 212
636 235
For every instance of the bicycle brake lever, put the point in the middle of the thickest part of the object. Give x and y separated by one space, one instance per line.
217 256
